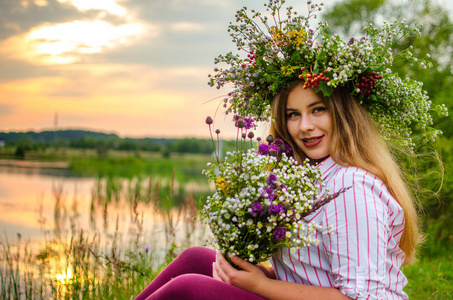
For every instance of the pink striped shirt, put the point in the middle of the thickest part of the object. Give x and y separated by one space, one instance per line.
358 251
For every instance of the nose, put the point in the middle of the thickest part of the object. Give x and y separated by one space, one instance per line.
306 124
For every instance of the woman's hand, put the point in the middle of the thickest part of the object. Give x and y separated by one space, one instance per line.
250 278
253 279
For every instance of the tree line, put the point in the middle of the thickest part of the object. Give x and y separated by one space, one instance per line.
24 142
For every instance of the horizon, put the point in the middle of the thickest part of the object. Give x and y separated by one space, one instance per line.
115 133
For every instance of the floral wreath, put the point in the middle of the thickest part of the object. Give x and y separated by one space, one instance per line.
280 51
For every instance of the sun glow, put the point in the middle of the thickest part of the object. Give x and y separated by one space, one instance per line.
68 37
109 6
67 42
70 42
65 276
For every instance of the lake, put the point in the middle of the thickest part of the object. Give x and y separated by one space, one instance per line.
47 212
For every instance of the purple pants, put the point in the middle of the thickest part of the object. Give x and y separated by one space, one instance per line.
189 276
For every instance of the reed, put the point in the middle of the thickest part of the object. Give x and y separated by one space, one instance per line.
115 261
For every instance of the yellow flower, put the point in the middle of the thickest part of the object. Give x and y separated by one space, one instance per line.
297 36
277 34
287 70
222 184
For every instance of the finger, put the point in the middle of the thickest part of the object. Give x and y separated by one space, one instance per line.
224 265
243 264
215 274
221 273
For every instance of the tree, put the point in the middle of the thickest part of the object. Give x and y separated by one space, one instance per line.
347 18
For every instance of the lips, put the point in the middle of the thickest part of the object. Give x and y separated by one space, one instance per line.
312 141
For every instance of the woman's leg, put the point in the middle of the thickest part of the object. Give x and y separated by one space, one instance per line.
195 260
200 287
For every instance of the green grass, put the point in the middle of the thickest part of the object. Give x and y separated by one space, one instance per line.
102 266
124 164
430 278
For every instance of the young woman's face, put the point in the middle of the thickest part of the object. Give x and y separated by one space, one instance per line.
309 123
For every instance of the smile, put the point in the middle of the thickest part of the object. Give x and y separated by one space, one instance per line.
313 141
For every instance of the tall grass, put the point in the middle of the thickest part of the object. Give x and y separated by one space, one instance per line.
107 263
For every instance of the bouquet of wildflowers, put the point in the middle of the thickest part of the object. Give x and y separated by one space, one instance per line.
261 197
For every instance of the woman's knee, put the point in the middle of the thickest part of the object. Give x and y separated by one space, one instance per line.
197 254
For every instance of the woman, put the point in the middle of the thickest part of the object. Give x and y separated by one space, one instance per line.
332 102
367 236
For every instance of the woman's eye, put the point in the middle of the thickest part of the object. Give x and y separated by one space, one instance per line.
292 115
319 109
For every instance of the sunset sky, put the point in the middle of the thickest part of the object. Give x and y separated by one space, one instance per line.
132 67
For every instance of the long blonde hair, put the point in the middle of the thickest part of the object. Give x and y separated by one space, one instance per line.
356 142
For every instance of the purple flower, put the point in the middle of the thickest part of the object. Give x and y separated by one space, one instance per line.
277 208
263 149
280 143
271 179
273 147
257 209
270 193
147 248
249 123
279 233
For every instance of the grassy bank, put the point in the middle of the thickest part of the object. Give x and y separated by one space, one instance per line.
430 278
124 164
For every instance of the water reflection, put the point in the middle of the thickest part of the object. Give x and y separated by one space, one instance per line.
80 233
33 201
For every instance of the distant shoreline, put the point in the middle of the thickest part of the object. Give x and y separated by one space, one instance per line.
34 164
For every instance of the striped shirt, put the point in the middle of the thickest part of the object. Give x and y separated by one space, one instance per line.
358 250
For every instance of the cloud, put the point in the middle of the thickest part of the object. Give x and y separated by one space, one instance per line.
66 42
109 6
187 27
6 109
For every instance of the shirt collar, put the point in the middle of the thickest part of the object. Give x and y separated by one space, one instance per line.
326 166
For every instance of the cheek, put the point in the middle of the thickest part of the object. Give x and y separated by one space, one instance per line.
327 124
290 126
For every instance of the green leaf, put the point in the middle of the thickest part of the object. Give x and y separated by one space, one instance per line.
271 68
326 90
295 56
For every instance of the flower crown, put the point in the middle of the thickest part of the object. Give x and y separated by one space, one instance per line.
280 51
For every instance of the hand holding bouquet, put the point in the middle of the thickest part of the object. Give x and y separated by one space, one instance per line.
261 197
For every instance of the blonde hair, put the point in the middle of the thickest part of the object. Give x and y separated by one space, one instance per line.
356 142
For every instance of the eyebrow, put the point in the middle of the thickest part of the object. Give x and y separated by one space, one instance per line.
309 105
315 103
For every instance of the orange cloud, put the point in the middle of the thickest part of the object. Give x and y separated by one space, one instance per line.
132 101
66 42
